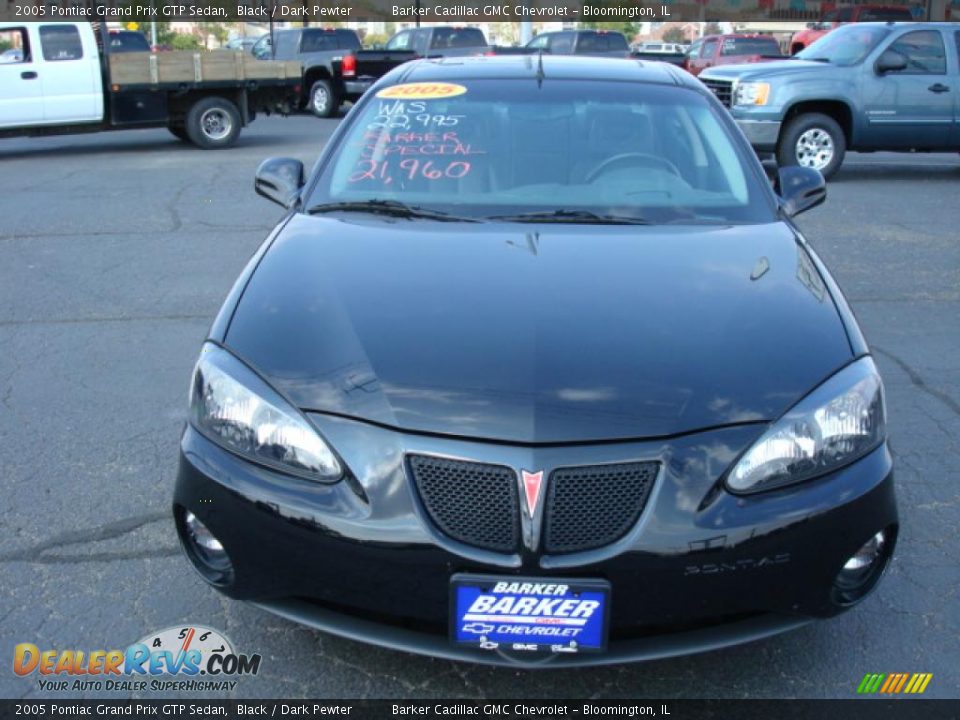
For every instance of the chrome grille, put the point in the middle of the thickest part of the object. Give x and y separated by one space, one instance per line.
723 89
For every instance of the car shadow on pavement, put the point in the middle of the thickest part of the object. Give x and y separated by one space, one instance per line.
882 172
61 147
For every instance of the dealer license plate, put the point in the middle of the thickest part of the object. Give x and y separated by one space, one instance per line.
529 614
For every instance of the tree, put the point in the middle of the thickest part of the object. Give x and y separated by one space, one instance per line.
630 29
165 35
182 41
712 28
674 34
219 31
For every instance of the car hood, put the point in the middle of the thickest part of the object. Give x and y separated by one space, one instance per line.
767 70
538 333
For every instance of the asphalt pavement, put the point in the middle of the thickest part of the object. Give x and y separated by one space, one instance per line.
116 251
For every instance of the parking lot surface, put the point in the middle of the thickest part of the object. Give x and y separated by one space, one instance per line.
117 249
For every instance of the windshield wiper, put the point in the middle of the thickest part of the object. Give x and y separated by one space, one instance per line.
393 208
572 216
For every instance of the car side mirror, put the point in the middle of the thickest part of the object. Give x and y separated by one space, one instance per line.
890 61
279 179
799 188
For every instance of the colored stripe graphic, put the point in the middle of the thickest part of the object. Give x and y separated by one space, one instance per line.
891 683
871 683
894 683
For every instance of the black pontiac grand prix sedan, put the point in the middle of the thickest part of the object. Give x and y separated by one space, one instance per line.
537 369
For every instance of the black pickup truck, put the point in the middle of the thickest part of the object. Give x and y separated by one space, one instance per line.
362 68
321 52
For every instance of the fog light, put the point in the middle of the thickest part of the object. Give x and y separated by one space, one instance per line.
862 570
866 555
205 550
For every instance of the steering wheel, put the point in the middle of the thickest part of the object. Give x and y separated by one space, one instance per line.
631 158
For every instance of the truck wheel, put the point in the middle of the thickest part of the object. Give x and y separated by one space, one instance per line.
812 140
212 123
323 101
179 132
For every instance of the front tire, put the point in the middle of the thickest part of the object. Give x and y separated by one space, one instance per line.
813 140
213 123
323 101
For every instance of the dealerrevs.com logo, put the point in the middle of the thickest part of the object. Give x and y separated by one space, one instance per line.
180 658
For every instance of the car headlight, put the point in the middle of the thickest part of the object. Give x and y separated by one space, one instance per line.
839 422
234 407
752 93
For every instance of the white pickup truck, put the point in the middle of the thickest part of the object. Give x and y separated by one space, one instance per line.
60 77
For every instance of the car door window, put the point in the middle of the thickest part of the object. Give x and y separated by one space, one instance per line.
616 41
441 38
709 49
562 44
589 42
540 42
694 52
420 40
845 15
317 41
261 48
60 42
401 41
14 46
924 52
347 40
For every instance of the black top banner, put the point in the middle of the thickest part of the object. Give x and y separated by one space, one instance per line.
615 12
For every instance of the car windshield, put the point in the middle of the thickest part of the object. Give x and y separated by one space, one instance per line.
847 45
503 148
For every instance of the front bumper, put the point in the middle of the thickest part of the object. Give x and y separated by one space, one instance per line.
762 134
701 570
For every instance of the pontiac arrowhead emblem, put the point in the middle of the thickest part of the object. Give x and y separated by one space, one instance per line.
531 488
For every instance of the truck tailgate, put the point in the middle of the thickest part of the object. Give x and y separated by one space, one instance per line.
375 63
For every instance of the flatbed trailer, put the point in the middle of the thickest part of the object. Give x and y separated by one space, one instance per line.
68 82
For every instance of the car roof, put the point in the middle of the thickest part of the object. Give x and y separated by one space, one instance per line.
300 30
909 25
566 67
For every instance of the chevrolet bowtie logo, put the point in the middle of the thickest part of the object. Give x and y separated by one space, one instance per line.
532 483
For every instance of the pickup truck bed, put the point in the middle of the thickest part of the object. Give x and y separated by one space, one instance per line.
678 59
185 67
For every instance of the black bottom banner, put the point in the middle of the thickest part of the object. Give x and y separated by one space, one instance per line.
508 709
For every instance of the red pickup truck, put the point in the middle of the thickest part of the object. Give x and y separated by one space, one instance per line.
837 17
714 50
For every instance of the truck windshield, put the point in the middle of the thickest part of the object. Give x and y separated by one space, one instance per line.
495 147
845 46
